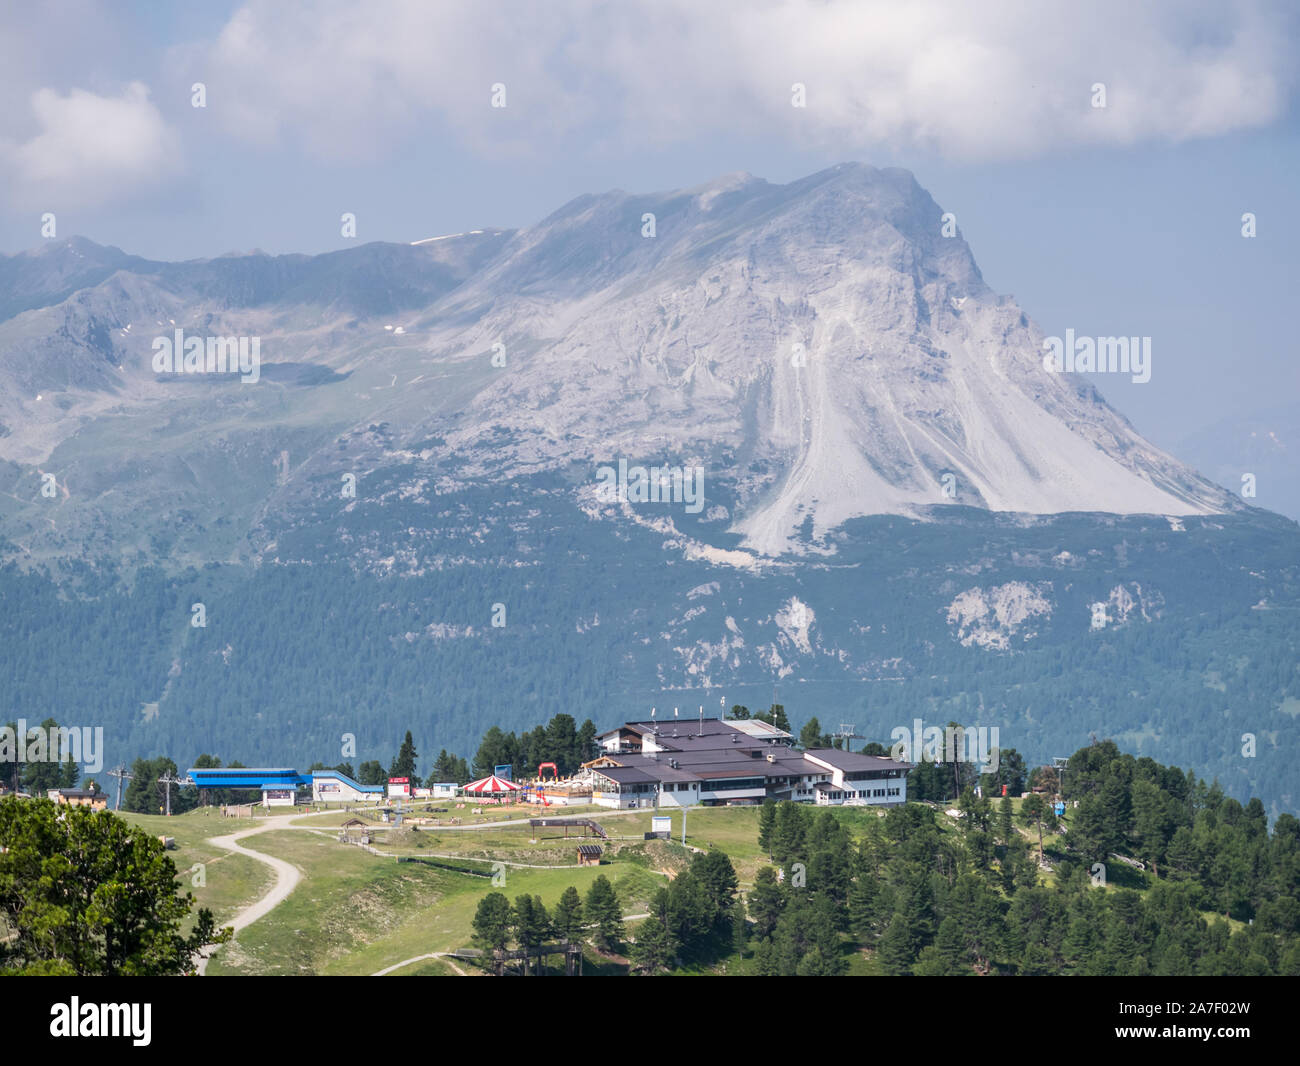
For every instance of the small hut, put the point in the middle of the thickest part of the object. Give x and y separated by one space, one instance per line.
354 831
589 854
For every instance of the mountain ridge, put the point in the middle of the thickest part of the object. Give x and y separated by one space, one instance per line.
821 349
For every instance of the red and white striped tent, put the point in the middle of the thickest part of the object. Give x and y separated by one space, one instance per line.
491 786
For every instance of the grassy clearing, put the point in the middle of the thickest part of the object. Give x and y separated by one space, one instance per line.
355 913
191 827
220 880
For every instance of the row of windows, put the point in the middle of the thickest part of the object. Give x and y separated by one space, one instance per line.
875 793
235 771
734 783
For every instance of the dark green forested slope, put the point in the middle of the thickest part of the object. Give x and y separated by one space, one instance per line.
321 641
925 899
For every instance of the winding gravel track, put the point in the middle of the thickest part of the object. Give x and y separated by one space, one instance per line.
287 876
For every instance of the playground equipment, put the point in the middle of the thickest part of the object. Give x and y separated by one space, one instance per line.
555 776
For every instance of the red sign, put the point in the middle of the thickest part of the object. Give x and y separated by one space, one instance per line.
398 780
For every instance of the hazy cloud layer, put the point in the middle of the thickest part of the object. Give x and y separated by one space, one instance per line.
989 80
93 114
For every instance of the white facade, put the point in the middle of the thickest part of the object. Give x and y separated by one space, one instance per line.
628 797
337 789
279 797
841 787
679 794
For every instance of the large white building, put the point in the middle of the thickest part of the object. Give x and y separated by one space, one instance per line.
713 762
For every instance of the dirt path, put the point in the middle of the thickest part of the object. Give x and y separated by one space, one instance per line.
287 876
407 962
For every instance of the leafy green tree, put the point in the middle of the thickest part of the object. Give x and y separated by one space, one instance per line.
766 823
144 793
448 767
86 894
1011 773
1093 834
492 921
765 902
738 713
864 906
604 913
371 772
974 907
806 940
1184 855
47 770
897 948
560 744
498 748
1015 868
530 925
404 762
788 835
830 861
1006 831
1035 813
568 918
811 736
1153 822
443 766
585 742
717 878
690 912
653 951
656 945
946 956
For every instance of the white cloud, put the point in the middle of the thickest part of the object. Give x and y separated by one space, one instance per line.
342 77
88 148
997 79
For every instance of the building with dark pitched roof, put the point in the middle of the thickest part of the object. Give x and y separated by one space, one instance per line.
715 762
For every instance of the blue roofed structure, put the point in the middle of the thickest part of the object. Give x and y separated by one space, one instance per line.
251 777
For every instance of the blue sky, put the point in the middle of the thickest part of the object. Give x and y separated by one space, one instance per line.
1122 220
